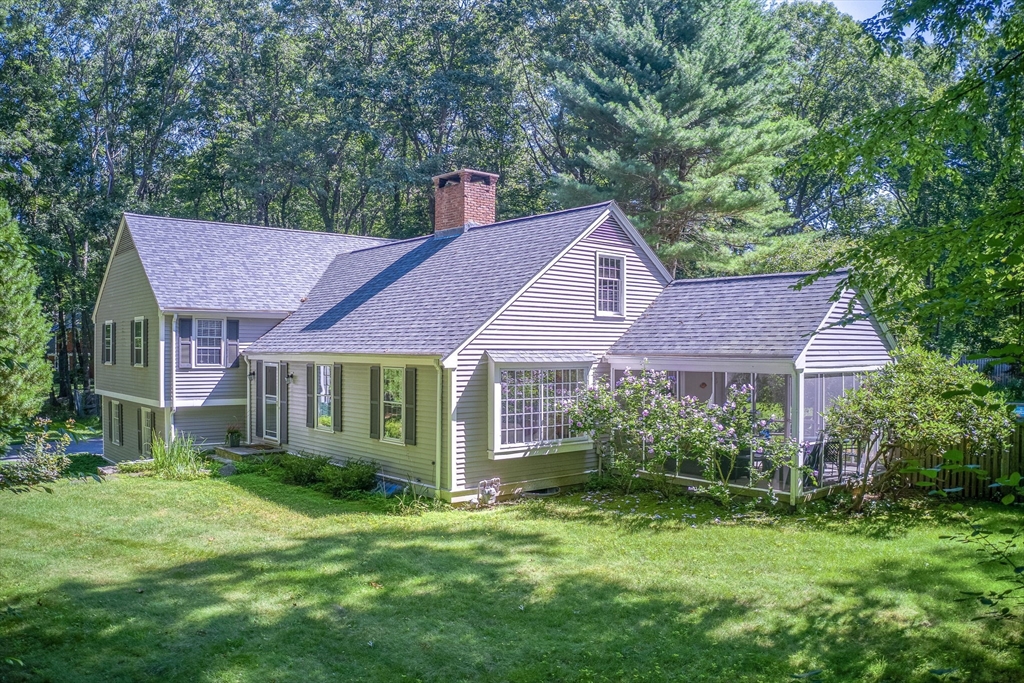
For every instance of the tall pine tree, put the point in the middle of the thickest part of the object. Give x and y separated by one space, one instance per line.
676 104
24 373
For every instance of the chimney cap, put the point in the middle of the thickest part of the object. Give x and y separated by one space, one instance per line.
451 175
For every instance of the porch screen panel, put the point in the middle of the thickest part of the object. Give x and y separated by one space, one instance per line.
771 399
533 404
812 407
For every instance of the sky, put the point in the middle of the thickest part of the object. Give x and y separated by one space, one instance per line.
859 9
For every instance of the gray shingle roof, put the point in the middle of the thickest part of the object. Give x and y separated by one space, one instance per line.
756 315
424 295
203 265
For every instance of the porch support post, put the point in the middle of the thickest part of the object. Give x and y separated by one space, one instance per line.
795 477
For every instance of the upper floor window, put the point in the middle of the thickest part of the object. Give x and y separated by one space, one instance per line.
108 343
139 342
209 341
610 284
533 404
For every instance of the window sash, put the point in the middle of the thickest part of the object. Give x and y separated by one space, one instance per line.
138 340
532 404
115 423
108 336
209 342
609 284
392 404
324 398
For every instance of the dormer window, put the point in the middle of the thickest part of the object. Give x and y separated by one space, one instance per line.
611 281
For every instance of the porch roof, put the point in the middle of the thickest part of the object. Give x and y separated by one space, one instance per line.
755 316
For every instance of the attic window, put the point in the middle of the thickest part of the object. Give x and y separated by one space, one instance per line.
611 272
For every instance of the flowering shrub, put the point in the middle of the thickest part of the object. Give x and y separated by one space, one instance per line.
640 426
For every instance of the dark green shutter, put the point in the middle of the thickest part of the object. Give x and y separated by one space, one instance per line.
310 395
231 347
120 424
374 401
113 343
336 398
184 342
145 342
282 403
409 414
110 421
138 422
259 398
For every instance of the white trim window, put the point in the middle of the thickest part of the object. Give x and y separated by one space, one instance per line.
324 398
209 342
392 404
108 342
611 281
115 423
533 404
139 342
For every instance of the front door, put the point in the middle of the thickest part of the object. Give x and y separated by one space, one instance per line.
270 413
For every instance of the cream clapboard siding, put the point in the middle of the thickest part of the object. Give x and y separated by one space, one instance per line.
556 312
859 344
127 294
129 448
402 461
220 384
207 425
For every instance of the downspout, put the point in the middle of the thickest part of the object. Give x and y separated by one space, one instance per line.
248 406
162 346
452 430
169 427
440 427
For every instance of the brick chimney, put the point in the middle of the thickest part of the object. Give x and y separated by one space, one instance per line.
463 198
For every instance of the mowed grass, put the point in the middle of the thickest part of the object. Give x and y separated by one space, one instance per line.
247 579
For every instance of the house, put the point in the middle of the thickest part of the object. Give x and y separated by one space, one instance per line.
798 348
445 358
179 301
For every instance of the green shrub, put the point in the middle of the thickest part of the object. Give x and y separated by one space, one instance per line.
301 471
344 480
178 459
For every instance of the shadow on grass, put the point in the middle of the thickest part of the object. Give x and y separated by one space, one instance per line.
472 604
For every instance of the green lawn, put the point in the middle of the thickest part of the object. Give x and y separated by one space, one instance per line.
246 579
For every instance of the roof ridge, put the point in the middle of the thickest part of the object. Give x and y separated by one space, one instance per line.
475 228
757 276
538 215
261 227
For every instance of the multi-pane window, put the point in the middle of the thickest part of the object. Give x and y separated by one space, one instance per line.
533 404
392 401
609 284
324 417
147 431
209 338
138 341
108 342
115 423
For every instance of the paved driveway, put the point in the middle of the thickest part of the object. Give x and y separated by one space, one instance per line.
92 446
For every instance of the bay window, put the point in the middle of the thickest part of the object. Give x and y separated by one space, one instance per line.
532 404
